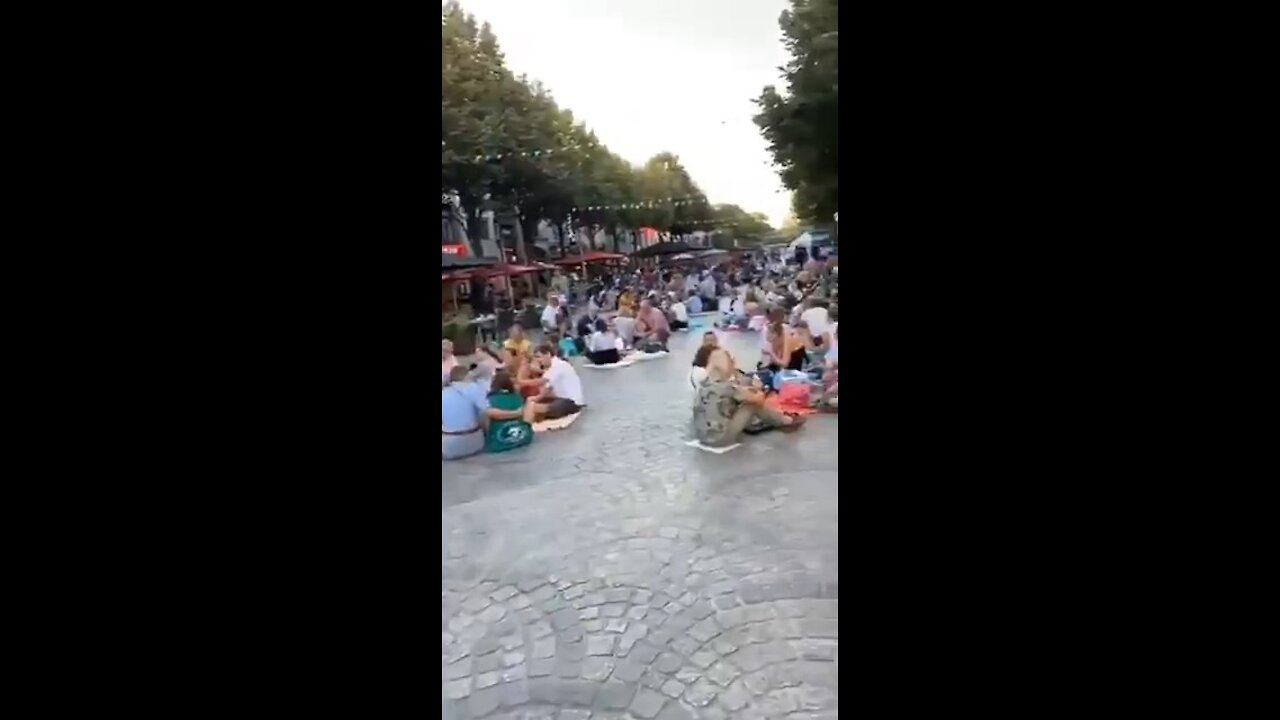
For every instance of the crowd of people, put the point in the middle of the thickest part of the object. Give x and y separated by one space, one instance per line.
492 404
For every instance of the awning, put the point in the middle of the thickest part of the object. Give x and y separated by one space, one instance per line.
593 256
663 248
451 262
492 271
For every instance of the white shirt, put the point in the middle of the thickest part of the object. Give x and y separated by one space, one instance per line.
626 328
564 381
550 316
696 376
678 309
709 288
817 320
695 304
603 341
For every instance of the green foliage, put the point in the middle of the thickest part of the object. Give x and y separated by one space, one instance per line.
802 125
550 163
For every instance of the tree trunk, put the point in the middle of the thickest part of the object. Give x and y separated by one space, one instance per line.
521 253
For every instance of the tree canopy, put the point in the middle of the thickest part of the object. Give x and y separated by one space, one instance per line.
504 137
802 124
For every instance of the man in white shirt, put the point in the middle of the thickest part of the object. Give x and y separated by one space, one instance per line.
551 315
562 389
816 318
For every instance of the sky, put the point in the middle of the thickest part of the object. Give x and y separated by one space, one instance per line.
659 75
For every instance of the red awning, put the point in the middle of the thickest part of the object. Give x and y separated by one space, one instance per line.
490 271
593 256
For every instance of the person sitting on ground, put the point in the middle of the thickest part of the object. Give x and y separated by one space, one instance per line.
447 361
624 325
524 371
798 342
627 300
517 341
725 406
694 304
707 288
488 362
679 314
561 388
551 315
816 317
602 346
736 317
463 413
699 372
652 330
510 417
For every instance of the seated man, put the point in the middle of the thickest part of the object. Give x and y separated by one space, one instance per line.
562 389
651 328
694 304
726 405
464 411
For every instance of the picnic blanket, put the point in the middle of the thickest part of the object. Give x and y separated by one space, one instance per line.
557 424
710 449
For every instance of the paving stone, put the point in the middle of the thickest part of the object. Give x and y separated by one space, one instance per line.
485 645
554 605
725 602
511 642
816 649
489 679
519 602
672 608
564 618
758 613
647 703
723 673
571 635
486 663
628 671
616 695
475 604
457 689
644 653
542 594
541 666
672 688
503 593
594 598
702 609
638 612
600 644
544 648
514 693
613 610
732 618
676 711
483 702
575 592
685 645
459 669
567 668
574 715
530 583
820 627
512 658
559 691
614 595
641 597
703 659
724 645
590 613
597 668
540 629
616 625
512 674
704 630
571 651
688 674
668 662
736 697
701 693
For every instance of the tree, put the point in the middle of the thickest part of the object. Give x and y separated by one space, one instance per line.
802 124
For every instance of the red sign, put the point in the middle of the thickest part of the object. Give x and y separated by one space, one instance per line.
453 250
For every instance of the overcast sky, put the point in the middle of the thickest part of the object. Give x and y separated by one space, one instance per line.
655 75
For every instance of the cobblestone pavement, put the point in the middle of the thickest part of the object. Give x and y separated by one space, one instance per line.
609 571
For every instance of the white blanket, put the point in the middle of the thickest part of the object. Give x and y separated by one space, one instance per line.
648 356
700 446
557 424
628 360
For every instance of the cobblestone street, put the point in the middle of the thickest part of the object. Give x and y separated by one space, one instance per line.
610 571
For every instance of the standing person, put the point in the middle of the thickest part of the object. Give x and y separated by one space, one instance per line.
725 405
562 389
651 326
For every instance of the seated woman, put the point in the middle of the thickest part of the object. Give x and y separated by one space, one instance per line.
678 314
602 346
525 374
517 341
700 357
510 417
725 405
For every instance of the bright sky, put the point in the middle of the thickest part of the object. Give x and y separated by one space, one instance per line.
654 75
